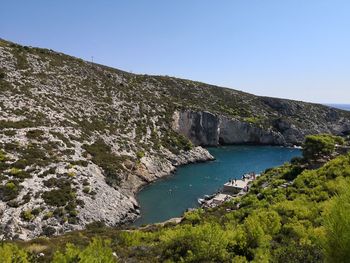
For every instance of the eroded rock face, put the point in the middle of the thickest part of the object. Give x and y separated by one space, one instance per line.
207 129
237 132
201 127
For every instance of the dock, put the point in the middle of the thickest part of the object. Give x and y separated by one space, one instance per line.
235 186
230 190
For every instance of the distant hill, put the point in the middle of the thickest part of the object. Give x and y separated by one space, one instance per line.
340 106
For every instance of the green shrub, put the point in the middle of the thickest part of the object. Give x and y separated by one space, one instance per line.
71 174
2 75
49 231
2 156
48 215
26 198
34 134
13 203
337 223
81 163
57 182
194 216
97 251
19 173
36 211
86 190
316 146
57 197
110 163
20 164
11 186
140 154
10 253
176 142
15 171
293 172
27 215
86 182
9 191
203 243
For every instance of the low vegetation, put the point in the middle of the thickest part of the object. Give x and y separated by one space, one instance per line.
110 163
291 214
322 145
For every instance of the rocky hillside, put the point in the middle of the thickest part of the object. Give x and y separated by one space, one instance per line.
77 140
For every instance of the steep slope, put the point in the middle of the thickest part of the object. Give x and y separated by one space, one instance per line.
290 214
79 139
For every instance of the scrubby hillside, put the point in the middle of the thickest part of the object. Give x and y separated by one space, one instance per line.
78 139
292 213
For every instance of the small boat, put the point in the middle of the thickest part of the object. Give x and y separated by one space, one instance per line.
208 197
201 201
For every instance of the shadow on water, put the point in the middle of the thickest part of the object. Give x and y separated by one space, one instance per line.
171 196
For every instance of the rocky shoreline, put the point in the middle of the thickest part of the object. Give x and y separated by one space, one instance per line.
154 168
116 206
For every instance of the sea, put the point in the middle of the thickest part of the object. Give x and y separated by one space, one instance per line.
171 196
340 106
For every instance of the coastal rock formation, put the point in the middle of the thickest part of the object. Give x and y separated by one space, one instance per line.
78 139
153 168
111 205
207 129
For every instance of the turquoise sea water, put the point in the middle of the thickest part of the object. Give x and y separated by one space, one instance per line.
171 196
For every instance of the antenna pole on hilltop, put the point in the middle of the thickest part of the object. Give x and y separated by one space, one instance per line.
92 59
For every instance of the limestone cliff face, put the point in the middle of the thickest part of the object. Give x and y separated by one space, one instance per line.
202 128
235 132
207 129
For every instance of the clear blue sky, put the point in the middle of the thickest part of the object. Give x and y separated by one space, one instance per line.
298 49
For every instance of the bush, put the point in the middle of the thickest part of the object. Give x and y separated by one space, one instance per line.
140 154
27 215
58 197
10 253
294 171
19 173
48 231
9 191
194 216
316 146
96 252
71 174
203 243
2 74
34 134
175 142
86 190
15 171
48 215
61 196
337 223
11 186
2 156
110 163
